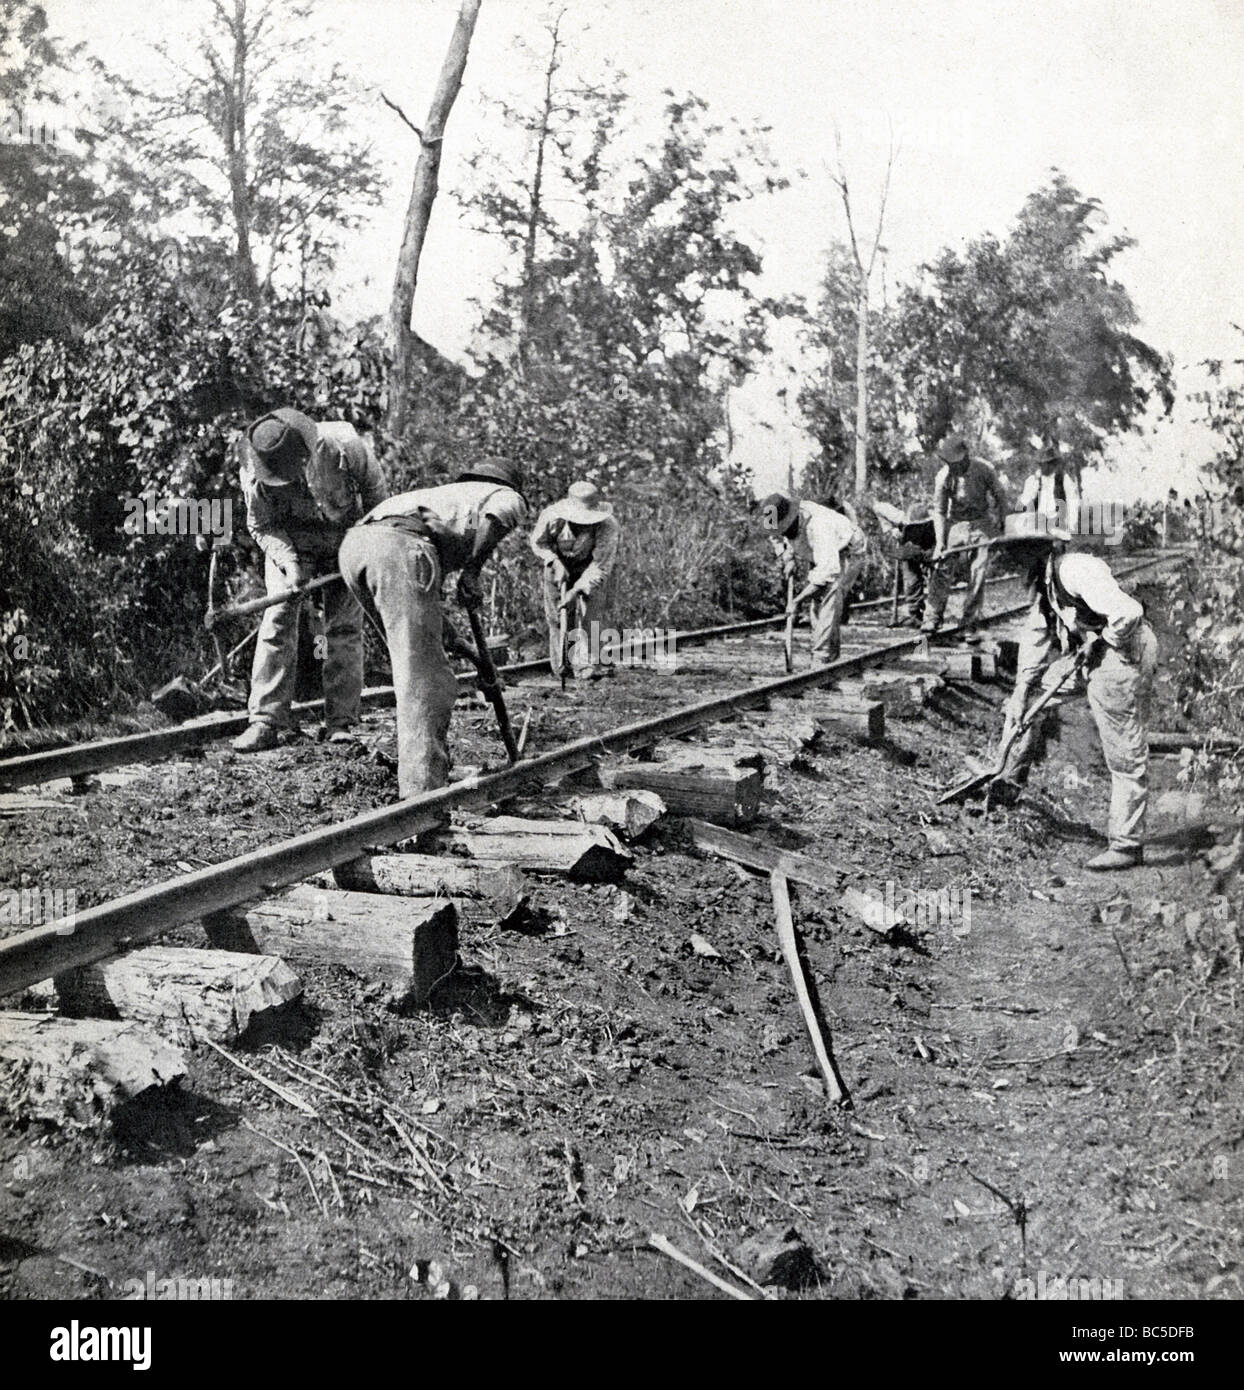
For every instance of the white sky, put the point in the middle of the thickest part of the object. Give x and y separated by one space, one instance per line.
1139 102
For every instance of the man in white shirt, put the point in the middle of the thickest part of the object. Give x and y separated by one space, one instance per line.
833 547
304 484
1053 491
394 562
577 539
1077 604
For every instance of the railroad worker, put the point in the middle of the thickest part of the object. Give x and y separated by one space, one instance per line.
395 561
913 530
1077 605
1053 490
832 545
577 539
969 505
304 485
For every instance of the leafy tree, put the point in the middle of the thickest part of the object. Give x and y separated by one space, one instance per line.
1028 335
250 138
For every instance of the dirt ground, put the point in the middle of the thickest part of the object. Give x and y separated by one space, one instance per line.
1045 1069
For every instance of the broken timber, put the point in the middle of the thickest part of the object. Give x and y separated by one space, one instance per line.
846 714
79 1070
571 849
411 946
183 992
692 782
816 873
834 1085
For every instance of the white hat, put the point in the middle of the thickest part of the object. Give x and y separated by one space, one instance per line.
583 505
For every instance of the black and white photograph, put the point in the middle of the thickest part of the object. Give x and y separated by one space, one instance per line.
621 665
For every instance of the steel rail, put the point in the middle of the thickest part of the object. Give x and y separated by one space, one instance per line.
101 931
79 759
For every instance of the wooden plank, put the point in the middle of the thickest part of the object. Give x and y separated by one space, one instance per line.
570 849
184 992
816 873
862 719
821 1044
429 876
694 782
79 1071
410 945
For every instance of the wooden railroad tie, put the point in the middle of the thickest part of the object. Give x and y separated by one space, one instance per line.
411 946
693 781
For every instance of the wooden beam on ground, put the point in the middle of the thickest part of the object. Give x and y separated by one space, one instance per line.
904 694
184 992
1163 742
502 886
821 1044
78 1071
846 714
816 873
697 782
570 849
963 665
410 946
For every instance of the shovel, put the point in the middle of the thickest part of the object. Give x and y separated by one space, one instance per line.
982 779
563 631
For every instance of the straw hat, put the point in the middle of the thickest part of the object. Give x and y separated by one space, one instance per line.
1030 526
583 505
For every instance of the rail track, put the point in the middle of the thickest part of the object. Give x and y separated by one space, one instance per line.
105 932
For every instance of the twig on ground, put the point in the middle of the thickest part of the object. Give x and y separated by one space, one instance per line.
275 1087
659 1242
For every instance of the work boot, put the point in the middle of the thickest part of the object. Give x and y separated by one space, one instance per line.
258 738
1111 859
1003 792
342 734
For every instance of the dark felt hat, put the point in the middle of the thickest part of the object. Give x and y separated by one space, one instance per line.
493 470
283 443
953 449
777 511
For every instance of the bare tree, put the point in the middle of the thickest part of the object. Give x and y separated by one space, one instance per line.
419 211
864 265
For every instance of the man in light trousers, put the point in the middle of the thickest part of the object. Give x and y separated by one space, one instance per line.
304 484
394 562
833 547
969 504
1077 605
577 539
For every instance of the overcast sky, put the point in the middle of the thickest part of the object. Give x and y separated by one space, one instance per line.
1139 102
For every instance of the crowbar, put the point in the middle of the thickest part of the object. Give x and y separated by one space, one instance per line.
563 631
788 641
1071 665
489 685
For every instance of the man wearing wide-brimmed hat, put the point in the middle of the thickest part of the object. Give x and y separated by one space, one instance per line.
394 561
1053 490
833 546
969 503
304 484
913 529
577 539
1077 604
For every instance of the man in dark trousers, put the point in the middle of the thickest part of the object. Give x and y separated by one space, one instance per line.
969 504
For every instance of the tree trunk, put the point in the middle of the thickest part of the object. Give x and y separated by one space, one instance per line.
536 206
419 212
861 393
245 279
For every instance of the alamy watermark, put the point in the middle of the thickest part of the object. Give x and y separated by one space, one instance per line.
629 646
922 909
39 907
150 515
181 1290
1064 1288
